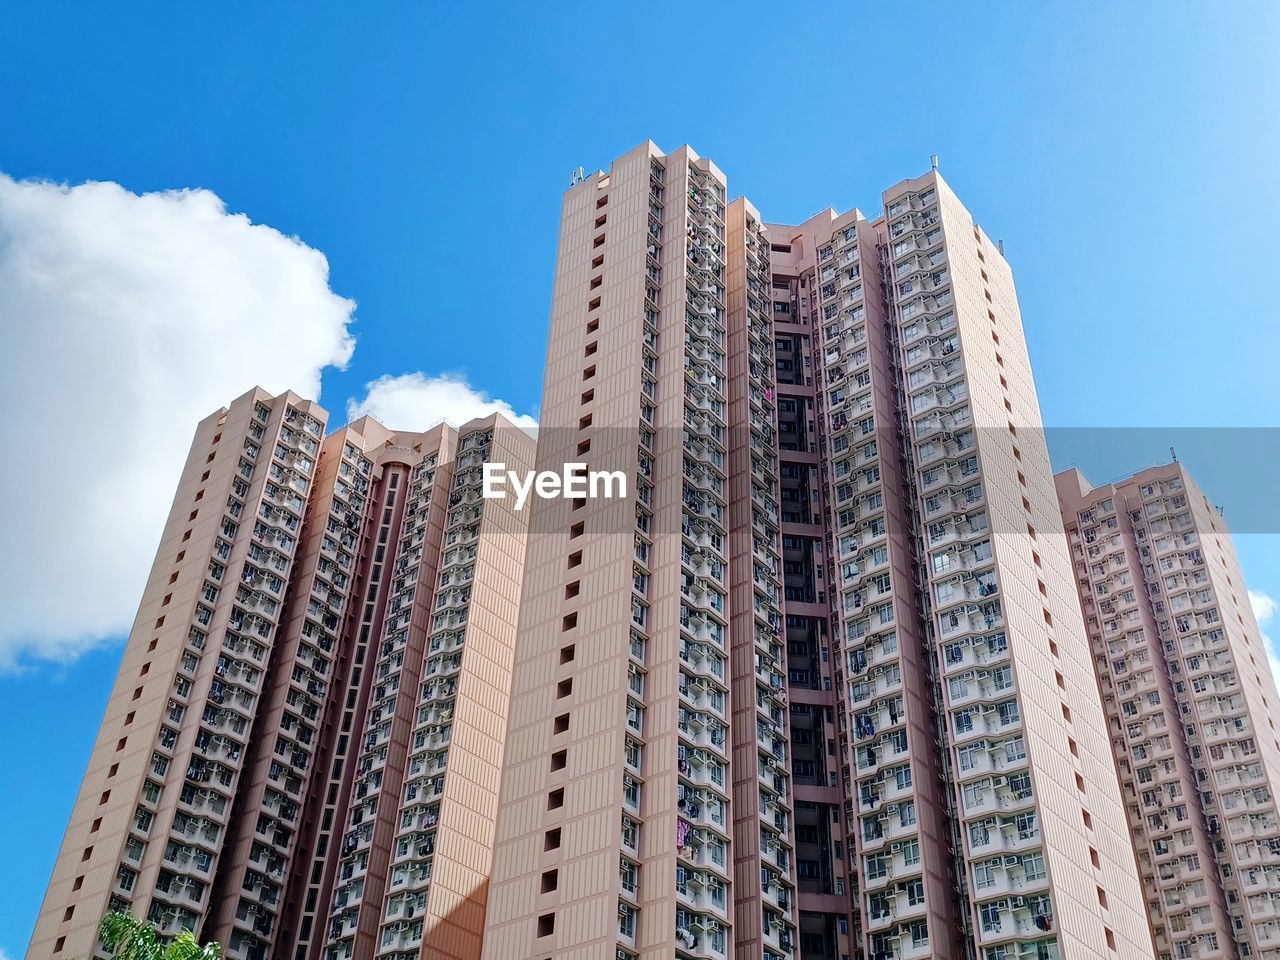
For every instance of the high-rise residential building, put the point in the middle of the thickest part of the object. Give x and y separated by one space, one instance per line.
820 688
632 733
301 752
1191 706
817 687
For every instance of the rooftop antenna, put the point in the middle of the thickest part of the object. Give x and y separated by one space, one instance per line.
577 177
1173 455
933 162
1000 247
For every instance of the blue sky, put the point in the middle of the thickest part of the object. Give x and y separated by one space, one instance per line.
1124 152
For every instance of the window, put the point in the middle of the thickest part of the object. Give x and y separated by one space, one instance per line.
628 874
983 875
911 853
626 921
989 913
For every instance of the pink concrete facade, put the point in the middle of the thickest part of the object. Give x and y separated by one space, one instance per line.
1191 705
622 806
818 688
878 601
301 578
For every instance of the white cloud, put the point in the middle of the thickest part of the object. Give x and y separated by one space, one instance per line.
1264 608
124 319
415 401
3 954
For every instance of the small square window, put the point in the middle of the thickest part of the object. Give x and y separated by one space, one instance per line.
550 880
559 759
561 724
546 925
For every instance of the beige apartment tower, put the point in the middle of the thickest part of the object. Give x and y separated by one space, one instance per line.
817 687
821 688
301 753
1191 706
